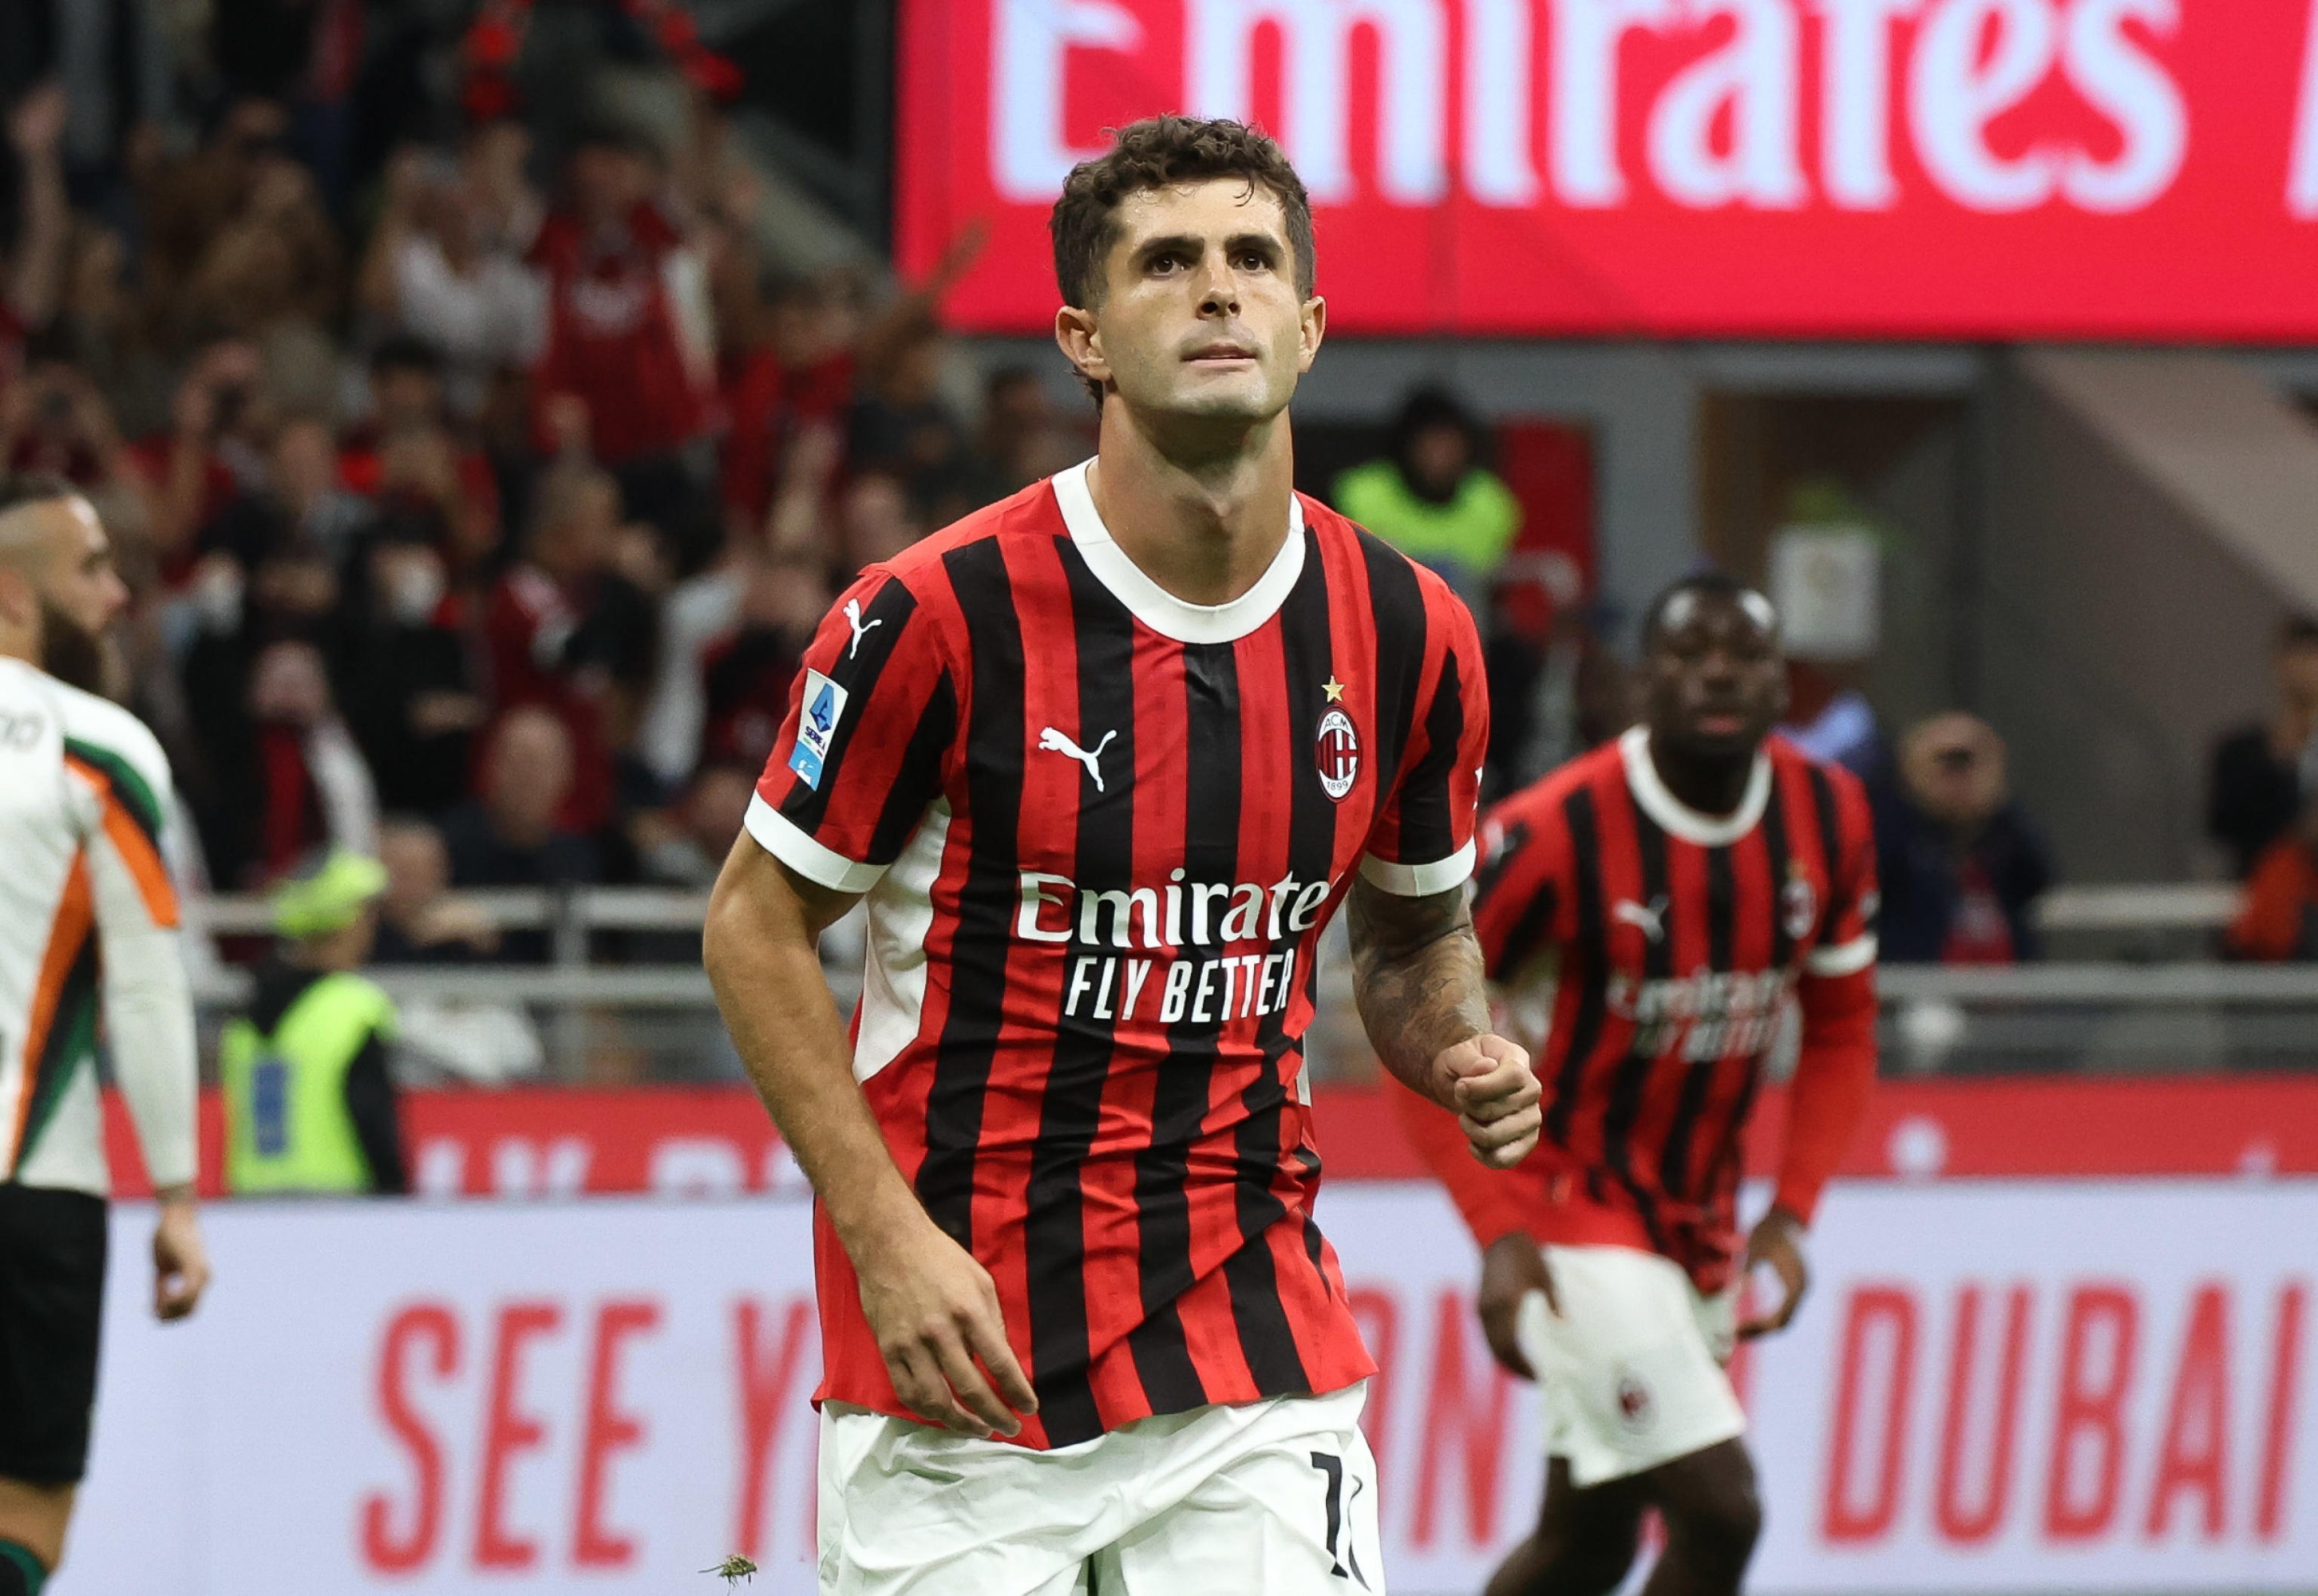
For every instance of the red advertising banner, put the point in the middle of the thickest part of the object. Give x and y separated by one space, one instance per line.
716 1141
1889 168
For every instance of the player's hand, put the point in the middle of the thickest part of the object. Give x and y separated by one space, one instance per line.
1777 1241
1514 1266
1487 1081
181 1263
934 1311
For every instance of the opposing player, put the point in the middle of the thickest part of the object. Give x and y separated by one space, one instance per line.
1105 758
1664 894
88 929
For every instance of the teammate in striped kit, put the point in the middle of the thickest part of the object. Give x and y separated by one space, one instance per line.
87 926
1105 758
1652 906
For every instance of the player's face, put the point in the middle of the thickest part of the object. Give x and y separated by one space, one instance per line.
1714 683
1201 317
78 581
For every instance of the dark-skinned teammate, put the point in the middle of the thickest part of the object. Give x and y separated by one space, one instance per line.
1649 910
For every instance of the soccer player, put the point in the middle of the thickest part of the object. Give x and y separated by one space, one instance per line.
1104 759
87 926
1664 894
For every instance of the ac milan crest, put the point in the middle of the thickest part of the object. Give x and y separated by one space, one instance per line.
1798 904
1336 750
1634 1405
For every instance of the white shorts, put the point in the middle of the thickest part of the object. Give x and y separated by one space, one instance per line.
1275 1497
1630 1371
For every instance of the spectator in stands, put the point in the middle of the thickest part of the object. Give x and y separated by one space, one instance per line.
273 266
627 361
1960 865
408 690
188 201
876 520
33 282
1433 499
510 836
1021 436
2262 773
421 921
102 329
567 629
430 274
747 677
2278 917
54 419
300 508
903 427
299 783
699 829
216 447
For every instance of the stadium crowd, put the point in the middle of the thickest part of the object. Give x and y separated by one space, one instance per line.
481 530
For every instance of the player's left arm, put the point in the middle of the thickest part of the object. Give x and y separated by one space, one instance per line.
1834 1073
148 1001
1418 977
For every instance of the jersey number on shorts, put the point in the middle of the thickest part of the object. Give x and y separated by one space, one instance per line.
269 1106
1331 1466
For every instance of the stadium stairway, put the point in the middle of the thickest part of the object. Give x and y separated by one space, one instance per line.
2148 522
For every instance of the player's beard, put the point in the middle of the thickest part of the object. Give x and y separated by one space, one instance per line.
71 652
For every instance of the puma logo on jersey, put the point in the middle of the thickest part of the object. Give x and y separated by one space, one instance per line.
860 629
1651 916
1054 742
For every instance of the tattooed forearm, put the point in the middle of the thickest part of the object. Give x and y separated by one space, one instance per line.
1416 978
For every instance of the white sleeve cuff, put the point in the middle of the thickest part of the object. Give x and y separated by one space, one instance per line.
780 836
1418 881
1849 959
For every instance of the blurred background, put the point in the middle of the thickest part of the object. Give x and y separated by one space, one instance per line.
486 401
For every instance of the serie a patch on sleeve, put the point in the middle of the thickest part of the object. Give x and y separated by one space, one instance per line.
825 707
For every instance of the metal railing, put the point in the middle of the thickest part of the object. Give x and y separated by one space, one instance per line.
572 915
590 1020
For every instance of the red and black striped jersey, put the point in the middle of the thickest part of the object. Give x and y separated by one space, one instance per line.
1657 947
1101 831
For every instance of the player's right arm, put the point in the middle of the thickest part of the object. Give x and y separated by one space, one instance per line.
848 770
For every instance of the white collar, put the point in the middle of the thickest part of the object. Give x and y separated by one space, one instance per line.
1153 605
1677 818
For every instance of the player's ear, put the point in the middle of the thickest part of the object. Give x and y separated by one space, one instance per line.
20 601
1314 320
1076 330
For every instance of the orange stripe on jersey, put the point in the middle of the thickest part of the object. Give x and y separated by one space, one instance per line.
76 918
135 847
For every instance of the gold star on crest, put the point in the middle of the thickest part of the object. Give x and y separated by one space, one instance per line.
1334 689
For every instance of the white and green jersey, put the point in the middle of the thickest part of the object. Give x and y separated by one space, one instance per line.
88 928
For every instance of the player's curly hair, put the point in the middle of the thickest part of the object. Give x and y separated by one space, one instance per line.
1154 153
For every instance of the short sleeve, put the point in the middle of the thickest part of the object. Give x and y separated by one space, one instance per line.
1847 937
1422 841
867 741
1521 888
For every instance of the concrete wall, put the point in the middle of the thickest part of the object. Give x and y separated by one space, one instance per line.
2149 520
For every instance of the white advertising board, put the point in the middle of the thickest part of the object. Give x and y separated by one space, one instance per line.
2016 1387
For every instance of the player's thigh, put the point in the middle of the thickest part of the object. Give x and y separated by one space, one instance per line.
1295 1515
905 1509
1591 1523
52 1247
1629 1378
